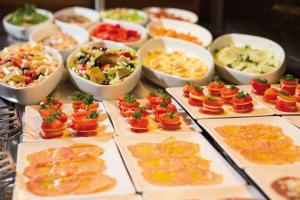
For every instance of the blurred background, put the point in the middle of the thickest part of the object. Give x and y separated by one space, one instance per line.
278 20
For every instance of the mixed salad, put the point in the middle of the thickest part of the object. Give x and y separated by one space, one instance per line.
124 14
102 65
27 16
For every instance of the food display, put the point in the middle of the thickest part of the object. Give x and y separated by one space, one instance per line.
260 143
163 13
124 14
59 40
175 63
75 169
27 16
287 187
103 66
74 18
173 162
165 32
247 59
24 65
115 32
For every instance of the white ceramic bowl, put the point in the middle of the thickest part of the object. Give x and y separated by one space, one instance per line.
79 34
33 94
186 14
105 92
92 15
167 80
201 33
126 25
240 40
141 13
21 32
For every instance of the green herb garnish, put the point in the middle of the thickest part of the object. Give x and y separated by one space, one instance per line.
88 100
170 115
262 80
78 96
229 65
199 88
130 98
283 92
216 79
232 87
50 99
51 117
241 94
164 103
93 115
137 114
211 99
288 77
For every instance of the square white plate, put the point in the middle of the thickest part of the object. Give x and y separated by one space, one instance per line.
272 106
288 129
207 194
293 119
33 121
259 108
264 180
123 128
218 164
114 168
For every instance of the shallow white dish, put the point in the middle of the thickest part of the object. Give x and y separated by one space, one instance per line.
242 192
91 14
78 33
259 108
20 32
264 180
114 168
201 33
218 164
140 13
105 92
293 119
288 129
170 44
123 128
240 40
186 14
33 94
33 121
126 25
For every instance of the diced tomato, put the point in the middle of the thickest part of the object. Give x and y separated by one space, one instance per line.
259 86
270 95
28 80
214 87
63 118
286 103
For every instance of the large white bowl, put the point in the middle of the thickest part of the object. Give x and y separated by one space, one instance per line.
33 94
141 13
167 80
21 32
105 92
240 40
127 25
186 14
92 15
79 34
200 32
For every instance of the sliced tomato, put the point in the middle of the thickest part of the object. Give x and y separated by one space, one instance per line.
160 109
77 105
286 100
243 108
52 130
211 111
127 112
165 119
85 124
227 93
242 101
289 86
170 126
45 113
286 109
270 95
186 89
195 102
212 102
259 86
92 107
138 125
214 88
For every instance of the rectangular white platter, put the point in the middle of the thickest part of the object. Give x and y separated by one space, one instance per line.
114 168
259 108
293 119
33 121
288 129
272 106
243 192
218 164
264 180
123 128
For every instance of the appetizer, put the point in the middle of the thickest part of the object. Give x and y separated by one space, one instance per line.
169 121
285 102
228 93
128 105
53 126
212 105
173 163
115 32
138 122
215 86
164 32
187 89
270 95
247 59
24 65
124 14
242 102
288 83
287 187
164 107
196 95
163 13
75 169
26 16
259 86
73 18
83 102
85 123
260 143
50 105
156 97
104 66
175 63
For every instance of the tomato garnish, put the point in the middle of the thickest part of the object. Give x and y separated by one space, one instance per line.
286 102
